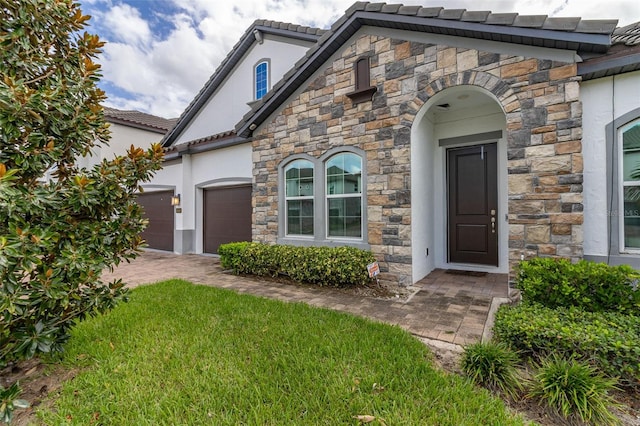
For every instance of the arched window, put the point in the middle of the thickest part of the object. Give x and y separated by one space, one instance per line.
322 200
261 77
344 195
299 198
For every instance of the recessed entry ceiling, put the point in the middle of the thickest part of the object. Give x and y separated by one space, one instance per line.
465 103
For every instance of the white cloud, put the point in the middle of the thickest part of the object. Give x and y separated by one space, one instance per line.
127 25
164 71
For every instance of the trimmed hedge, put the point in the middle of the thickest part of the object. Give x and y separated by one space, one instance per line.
324 266
611 340
594 287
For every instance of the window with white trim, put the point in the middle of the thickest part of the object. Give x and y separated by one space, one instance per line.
261 77
299 195
630 188
344 195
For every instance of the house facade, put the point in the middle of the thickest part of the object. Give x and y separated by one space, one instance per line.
438 138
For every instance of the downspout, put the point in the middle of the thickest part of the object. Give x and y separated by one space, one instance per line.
614 153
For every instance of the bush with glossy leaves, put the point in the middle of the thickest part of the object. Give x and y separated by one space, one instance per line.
60 225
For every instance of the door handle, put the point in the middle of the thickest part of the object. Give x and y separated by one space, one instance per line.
493 221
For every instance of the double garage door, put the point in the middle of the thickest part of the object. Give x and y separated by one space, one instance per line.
227 217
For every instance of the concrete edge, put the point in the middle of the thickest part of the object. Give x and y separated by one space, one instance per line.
496 302
439 344
414 290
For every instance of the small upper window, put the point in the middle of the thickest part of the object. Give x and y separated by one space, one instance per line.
631 185
261 79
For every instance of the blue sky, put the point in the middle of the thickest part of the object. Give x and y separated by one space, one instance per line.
159 53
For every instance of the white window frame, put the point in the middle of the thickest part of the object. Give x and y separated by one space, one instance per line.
267 65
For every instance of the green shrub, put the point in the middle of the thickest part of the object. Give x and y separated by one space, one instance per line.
595 287
492 365
610 339
230 254
574 390
328 266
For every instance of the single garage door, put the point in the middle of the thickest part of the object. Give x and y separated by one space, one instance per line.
227 216
159 211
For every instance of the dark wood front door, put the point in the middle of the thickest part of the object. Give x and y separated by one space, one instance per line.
473 204
227 216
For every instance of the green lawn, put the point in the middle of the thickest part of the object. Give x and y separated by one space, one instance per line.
181 354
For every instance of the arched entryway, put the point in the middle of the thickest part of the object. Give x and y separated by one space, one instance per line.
459 182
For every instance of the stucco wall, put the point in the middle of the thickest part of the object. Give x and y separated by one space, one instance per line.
231 101
604 101
122 137
221 167
543 123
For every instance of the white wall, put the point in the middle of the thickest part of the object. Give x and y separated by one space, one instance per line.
169 177
603 100
221 167
226 163
230 102
422 195
122 137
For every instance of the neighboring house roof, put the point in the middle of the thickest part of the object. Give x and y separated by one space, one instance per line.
139 120
584 36
624 55
294 31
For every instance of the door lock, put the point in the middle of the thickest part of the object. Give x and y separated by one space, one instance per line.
493 221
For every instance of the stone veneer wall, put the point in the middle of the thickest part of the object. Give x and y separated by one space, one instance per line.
543 112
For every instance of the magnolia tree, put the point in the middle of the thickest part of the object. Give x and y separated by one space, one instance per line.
60 225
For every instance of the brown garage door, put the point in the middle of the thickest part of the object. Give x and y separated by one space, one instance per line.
159 211
227 216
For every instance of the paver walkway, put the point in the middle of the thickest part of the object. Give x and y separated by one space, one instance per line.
446 307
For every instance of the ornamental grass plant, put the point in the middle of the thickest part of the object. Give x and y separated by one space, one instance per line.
574 390
494 366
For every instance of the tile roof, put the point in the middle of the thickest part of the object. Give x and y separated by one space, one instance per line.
622 57
139 119
591 38
229 62
629 35
600 26
583 36
219 140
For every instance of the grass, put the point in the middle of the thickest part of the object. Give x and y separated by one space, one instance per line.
183 354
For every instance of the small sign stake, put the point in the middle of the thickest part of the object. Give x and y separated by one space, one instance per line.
374 270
